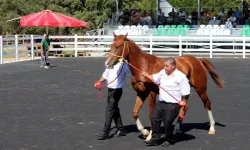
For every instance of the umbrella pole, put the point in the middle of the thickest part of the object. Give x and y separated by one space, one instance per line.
47 30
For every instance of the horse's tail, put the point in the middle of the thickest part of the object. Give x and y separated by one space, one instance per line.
215 76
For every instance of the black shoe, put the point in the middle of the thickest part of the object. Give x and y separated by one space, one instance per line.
120 133
169 141
102 136
153 142
166 143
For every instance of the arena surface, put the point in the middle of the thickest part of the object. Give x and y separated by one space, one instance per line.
58 109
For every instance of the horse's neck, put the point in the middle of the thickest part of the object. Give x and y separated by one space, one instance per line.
137 58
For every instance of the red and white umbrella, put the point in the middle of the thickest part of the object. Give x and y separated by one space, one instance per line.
49 18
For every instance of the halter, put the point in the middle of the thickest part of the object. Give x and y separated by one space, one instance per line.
121 57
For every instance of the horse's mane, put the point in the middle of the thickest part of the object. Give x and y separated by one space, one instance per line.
143 52
133 42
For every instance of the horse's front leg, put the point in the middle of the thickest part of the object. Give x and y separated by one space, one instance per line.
139 102
151 103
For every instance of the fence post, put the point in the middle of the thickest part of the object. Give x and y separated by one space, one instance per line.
76 52
32 47
244 46
211 46
180 46
1 50
151 44
16 47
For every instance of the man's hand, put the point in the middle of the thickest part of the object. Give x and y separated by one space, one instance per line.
182 103
98 84
144 74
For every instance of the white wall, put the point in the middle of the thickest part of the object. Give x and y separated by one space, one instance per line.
165 7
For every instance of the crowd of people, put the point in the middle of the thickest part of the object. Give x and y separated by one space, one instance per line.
135 17
234 17
224 16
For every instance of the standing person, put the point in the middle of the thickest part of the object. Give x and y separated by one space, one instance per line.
45 50
114 94
167 107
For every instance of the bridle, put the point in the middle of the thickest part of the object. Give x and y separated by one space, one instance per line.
121 57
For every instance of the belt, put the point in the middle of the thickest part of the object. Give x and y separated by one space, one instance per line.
114 88
168 102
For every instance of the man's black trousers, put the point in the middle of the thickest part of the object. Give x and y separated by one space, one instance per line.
166 112
112 110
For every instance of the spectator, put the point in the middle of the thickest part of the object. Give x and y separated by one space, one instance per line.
45 51
194 17
233 20
204 19
237 15
212 14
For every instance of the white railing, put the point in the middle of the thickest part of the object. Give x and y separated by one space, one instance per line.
152 44
209 44
16 43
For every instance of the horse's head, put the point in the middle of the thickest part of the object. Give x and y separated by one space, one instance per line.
118 49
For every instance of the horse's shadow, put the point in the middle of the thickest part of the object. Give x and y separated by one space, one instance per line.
180 136
186 127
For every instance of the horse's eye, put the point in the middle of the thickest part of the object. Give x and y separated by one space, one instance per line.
117 47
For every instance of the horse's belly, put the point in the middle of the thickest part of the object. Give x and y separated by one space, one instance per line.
141 86
138 86
145 87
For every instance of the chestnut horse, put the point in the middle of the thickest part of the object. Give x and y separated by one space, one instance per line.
195 69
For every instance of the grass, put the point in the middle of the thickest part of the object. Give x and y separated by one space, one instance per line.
24 54
14 55
68 52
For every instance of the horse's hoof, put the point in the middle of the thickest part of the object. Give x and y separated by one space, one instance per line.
145 132
211 132
148 138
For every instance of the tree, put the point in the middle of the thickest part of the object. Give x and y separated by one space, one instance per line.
96 12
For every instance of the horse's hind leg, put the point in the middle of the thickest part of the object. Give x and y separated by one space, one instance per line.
207 104
139 102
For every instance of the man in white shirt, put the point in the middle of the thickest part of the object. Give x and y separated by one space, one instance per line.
167 108
115 78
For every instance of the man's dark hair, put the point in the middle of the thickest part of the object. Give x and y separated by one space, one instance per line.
171 60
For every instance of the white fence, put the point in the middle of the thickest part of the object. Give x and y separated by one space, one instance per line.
152 44
15 43
204 44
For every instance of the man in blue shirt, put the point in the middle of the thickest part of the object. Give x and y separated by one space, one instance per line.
114 94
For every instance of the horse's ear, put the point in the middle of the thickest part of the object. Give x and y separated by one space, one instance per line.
125 37
114 35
